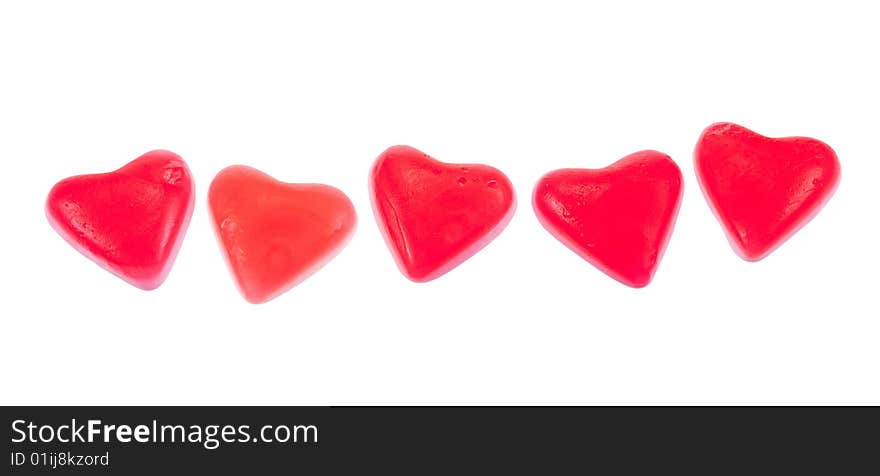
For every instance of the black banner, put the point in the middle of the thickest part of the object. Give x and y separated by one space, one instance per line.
416 440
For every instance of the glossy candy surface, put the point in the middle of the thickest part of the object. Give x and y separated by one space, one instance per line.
130 221
618 218
763 189
273 234
434 215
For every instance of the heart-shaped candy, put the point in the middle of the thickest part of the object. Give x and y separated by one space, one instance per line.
762 189
435 215
618 218
273 234
130 221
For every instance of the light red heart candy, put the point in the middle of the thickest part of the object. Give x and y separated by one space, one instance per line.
435 215
130 221
273 234
762 189
618 218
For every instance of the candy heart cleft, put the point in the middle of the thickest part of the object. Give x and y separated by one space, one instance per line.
618 218
434 215
274 234
131 221
762 189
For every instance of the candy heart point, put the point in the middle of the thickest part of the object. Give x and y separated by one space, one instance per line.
130 221
762 189
434 215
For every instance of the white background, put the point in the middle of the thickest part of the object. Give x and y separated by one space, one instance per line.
314 91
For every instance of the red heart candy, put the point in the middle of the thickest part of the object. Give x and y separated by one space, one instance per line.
435 215
274 235
130 221
618 218
762 189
